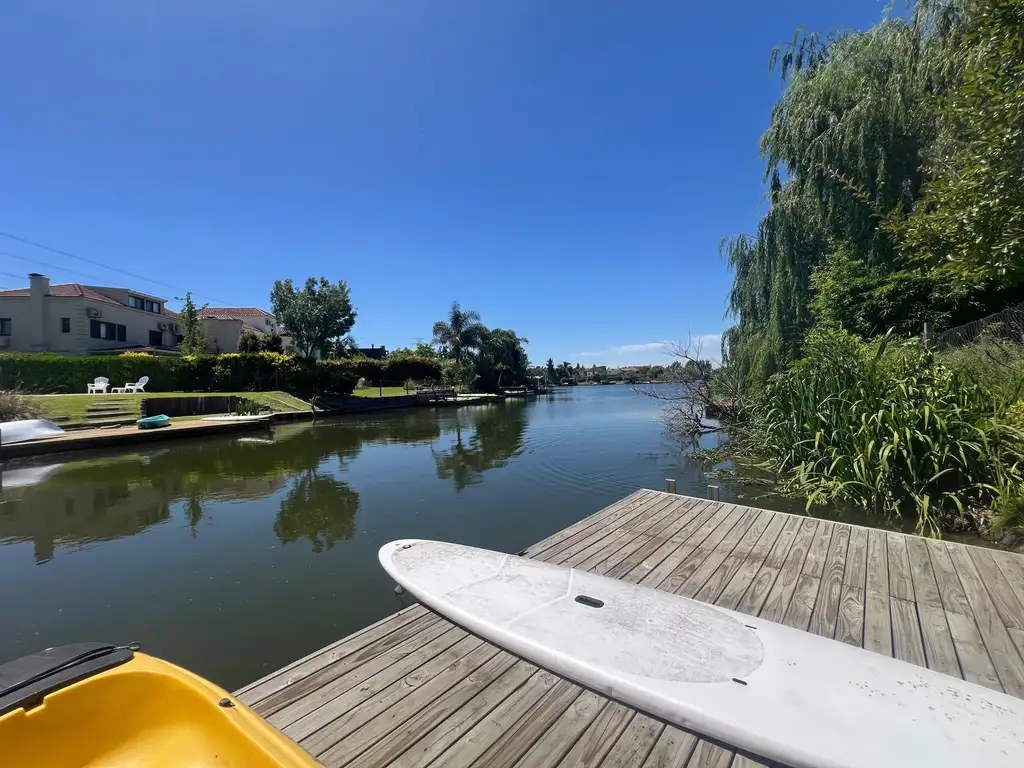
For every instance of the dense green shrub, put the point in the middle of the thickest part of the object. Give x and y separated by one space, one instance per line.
994 363
46 373
888 429
396 367
52 374
250 342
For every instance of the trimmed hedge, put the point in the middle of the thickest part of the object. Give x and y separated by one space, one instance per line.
396 367
46 373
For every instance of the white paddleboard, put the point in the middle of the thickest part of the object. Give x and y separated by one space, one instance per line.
260 417
771 690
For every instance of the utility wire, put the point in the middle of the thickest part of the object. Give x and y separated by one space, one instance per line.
51 266
104 266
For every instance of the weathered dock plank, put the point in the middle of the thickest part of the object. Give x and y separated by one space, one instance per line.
414 690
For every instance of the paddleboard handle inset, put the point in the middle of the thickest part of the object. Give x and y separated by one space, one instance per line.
591 602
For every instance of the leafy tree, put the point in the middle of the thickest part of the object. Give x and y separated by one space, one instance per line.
696 369
193 341
462 331
250 341
315 314
971 218
425 350
346 346
847 144
270 341
565 372
502 360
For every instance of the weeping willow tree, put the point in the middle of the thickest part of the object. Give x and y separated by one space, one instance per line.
848 143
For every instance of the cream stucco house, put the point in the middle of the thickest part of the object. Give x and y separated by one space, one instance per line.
89 319
223 326
81 319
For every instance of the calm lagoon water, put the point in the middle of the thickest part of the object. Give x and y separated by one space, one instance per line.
236 555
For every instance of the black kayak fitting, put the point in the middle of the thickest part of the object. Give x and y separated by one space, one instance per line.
26 681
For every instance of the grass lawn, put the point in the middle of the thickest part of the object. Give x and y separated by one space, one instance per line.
385 392
74 406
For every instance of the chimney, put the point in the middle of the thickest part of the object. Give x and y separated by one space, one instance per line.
39 285
39 289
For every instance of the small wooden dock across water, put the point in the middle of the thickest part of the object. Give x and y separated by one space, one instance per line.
416 690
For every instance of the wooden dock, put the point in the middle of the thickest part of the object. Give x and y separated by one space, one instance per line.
416 690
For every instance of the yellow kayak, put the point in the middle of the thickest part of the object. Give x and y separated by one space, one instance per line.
90 705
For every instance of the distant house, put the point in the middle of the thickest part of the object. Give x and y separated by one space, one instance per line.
375 353
84 319
223 326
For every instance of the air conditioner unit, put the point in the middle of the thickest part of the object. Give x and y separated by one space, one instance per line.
162 326
177 328
93 313
3 343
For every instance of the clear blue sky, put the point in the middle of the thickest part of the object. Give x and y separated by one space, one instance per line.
565 167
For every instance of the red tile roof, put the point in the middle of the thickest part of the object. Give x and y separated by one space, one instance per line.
64 291
234 313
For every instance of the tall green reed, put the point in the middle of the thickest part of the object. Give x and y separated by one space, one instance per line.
885 427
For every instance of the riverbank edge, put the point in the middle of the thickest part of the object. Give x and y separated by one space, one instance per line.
110 438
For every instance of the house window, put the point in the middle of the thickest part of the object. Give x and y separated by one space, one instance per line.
268 322
5 326
107 331
178 338
156 339
135 302
65 325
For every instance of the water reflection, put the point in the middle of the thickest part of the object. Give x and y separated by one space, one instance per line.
303 465
319 508
496 434
271 536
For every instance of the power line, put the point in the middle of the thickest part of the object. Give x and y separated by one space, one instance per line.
51 266
105 266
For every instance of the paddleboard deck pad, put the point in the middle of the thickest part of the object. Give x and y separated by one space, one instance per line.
771 690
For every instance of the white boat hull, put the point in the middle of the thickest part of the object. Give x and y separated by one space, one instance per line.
774 691
27 429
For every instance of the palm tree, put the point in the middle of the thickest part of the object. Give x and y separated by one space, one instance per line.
462 331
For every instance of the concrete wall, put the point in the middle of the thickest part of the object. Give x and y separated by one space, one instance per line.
222 335
190 406
35 326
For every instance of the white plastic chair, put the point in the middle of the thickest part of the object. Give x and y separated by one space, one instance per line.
99 386
139 386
